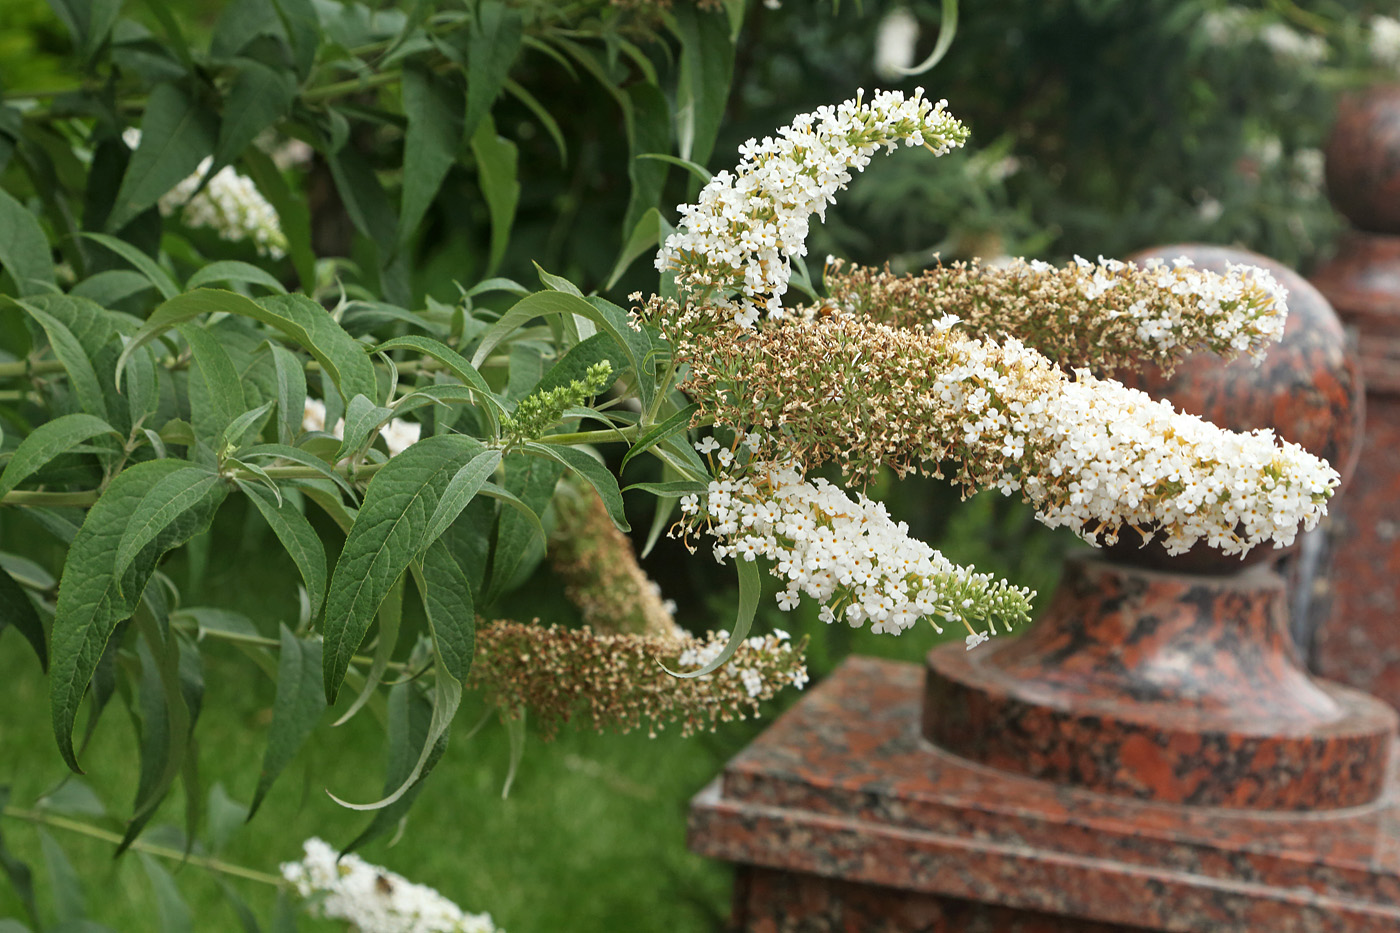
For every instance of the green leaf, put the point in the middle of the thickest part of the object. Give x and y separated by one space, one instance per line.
216 403
451 612
706 68
232 270
388 531
20 875
111 286
610 319
291 393
301 542
238 427
455 363
670 490
597 476
533 480
144 264
362 419
171 909
496 162
48 441
296 316
546 119
676 424
409 720
18 610
389 619
24 249
91 601
460 490
297 455
259 97
296 710
434 107
651 132
188 489
224 817
69 901
89 21
493 45
699 171
363 196
176 133
947 29
750 588
246 918
291 210
645 235
73 356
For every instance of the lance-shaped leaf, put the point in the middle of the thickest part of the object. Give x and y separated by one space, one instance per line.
24 250
460 490
455 364
597 476
296 710
410 714
532 480
147 266
388 532
750 588
609 318
493 44
176 133
232 270
188 489
16 609
451 612
296 316
172 913
75 359
362 418
299 539
259 97
496 164
216 397
672 426
91 601
48 441
291 393
434 105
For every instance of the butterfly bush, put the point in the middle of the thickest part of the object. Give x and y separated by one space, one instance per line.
904 372
399 434
1114 314
742 233
374 899
848 554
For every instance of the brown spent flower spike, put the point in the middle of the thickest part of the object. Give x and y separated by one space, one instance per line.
600 571
617 681
1108 316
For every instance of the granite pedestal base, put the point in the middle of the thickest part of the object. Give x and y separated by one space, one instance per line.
842 817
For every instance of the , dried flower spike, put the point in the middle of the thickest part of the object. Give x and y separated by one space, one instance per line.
374 899
742 233
600 571
1108 315
848 554
618 682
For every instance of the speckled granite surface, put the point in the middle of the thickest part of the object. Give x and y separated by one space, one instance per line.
844 787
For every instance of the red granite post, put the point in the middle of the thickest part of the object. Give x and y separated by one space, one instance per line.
1151 755
1358 643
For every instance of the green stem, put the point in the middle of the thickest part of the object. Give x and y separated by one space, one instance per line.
25 497
97 832
352 86
624 435
265 642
